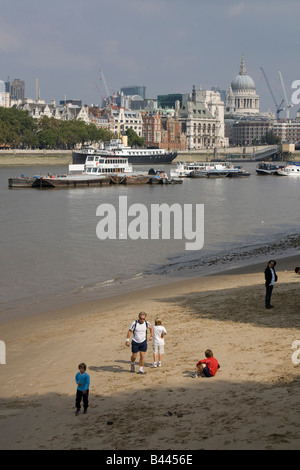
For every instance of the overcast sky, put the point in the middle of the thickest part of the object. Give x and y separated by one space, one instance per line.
166 45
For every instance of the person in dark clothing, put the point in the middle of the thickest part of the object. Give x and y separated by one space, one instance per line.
270 278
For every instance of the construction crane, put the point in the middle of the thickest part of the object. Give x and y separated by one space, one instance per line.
279 107
100 93
102 78
288 103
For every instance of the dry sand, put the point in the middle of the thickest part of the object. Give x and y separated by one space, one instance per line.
252 403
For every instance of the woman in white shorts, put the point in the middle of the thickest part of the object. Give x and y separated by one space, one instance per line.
159 333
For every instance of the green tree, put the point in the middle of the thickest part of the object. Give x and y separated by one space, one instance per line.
270 139
133 139
47 139
17 128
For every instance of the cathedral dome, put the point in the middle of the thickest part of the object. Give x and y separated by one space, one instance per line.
242 81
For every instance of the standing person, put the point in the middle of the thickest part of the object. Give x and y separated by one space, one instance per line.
158 342
207 367
138 330
270 278
83 384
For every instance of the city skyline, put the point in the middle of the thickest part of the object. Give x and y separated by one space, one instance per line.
165 45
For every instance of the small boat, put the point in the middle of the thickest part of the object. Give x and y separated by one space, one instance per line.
158 177
267 169
291 169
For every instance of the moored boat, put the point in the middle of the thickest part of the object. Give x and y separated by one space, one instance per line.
95 165
207 170
158 177
70 181
185 169
97 171
116 148
291 169
264 168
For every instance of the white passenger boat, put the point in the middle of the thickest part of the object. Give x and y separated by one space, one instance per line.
97 171
184 169
291 169
96 164
207 170
119 148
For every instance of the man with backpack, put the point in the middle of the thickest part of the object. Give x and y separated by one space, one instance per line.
138 330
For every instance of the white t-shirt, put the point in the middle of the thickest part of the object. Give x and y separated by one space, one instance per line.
139 334
158 330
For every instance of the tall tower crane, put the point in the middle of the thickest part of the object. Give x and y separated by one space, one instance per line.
279 107
288 103
100 93
104 83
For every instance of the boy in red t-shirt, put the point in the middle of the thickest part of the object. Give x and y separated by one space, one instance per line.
207 367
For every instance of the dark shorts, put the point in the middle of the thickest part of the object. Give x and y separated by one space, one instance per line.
136 347
206 372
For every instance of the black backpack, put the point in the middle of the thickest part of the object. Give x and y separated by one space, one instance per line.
147 326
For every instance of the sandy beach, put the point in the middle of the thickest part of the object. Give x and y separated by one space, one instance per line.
252 402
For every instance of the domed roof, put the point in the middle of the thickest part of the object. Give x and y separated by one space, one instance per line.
242 81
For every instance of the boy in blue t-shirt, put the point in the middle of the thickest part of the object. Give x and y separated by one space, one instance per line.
83 383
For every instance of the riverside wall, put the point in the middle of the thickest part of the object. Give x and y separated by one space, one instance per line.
64 157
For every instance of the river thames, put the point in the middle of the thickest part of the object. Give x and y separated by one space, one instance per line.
51 254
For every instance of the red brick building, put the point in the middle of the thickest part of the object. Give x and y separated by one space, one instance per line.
163 132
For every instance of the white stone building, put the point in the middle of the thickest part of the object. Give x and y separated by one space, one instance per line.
39 108
241 99
202 119
121 119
